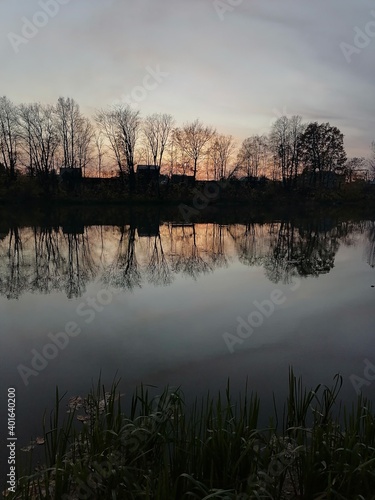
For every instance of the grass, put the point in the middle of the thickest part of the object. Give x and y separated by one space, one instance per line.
215 449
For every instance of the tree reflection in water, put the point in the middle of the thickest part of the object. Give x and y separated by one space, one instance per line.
49 263
371 244
14 275
158 270
80 267
187 259
215 243
124 272
252 242
300 252
50 259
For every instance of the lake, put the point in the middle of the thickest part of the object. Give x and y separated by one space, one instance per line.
147 297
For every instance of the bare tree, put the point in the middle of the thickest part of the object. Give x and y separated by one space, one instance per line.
143 155
157 129
285 139
85 144
296 131
121 125
253 155
280 145
129 125
179 162
108 126
172 152
221 152
41 138
100 148
9 136
193 138
76 133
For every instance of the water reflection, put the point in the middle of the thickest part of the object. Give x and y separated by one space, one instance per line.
301 252
371 244
158 271
67 258
124 271
48 261
16 276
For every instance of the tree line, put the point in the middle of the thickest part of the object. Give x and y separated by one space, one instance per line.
37 139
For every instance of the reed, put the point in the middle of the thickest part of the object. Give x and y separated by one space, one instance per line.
162 450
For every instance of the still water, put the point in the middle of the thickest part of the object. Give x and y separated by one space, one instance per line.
157 301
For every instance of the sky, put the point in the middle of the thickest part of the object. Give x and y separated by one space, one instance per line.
235 64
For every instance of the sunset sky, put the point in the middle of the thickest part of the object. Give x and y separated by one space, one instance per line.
235 65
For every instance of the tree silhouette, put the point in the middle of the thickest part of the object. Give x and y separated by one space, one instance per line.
193 138
76 133
284 140
322 150
157 129
9 136
40 134
121 125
